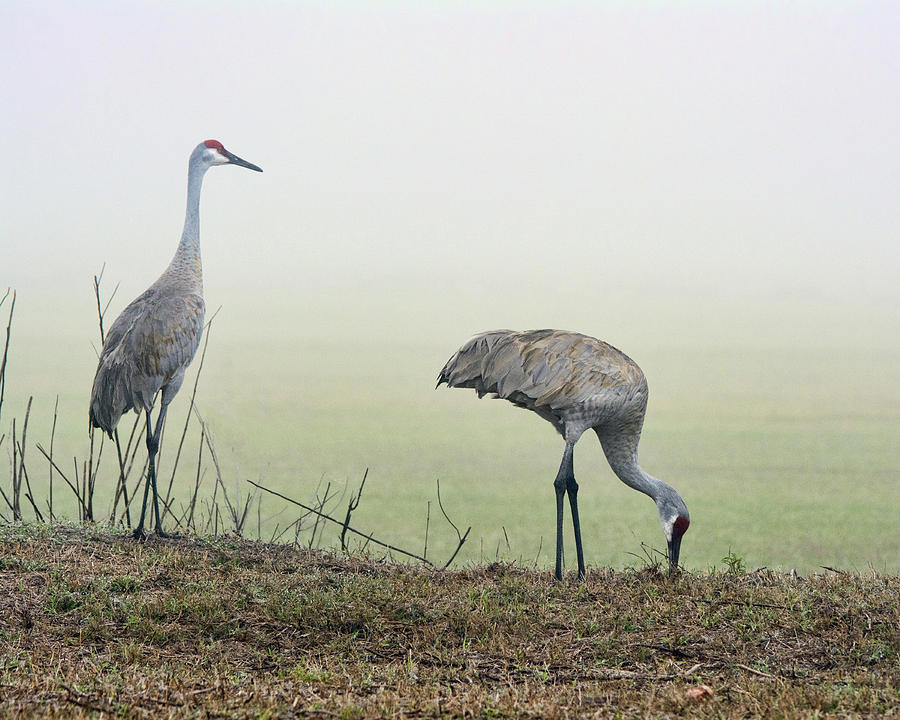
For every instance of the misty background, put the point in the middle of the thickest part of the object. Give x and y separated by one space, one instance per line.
710 187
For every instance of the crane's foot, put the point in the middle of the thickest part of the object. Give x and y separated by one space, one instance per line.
160 533
139 534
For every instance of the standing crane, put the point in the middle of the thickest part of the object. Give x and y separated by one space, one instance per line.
576 383
150 345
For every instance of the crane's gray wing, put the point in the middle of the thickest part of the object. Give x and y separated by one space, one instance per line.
553 369
150 343
560 369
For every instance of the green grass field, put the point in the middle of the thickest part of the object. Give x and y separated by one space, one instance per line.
785 449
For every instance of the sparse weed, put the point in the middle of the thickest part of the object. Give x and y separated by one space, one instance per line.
124 585
310 674
734 563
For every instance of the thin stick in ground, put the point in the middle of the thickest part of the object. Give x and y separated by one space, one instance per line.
101 309
16 488
193 505
23 473
319 512
427 525
12 308
73 488
219 480
52 438
461 538
351 506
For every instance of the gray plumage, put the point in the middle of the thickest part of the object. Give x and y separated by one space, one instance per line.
576 383
147 349
150 345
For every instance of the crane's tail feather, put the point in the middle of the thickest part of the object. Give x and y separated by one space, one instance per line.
464 369
112 397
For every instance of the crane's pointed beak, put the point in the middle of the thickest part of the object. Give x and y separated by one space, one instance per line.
235 160
674 551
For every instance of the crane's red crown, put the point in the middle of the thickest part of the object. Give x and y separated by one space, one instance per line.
681 526
214 144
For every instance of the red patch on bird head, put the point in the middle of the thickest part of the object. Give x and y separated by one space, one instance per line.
681 525
214 144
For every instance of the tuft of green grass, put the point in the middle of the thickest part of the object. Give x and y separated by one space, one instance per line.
735 563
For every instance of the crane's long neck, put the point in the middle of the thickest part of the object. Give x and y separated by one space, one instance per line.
621 452
186 267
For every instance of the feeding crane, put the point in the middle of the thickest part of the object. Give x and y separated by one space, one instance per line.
576 383
151 343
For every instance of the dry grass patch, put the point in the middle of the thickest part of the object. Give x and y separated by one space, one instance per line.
93 624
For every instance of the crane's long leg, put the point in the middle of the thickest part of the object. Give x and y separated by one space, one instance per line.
560 493
572 489
560 485
156 433
139 530
152 448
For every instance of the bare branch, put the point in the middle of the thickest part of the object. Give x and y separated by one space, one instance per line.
276 536
12 307
462 538
441 506
23 473
338 522
99 304
52 437
101 309
351 506
16 486
111 296
193 505
92 467
219 481
427 525
462 541
62 474
28 494
318 511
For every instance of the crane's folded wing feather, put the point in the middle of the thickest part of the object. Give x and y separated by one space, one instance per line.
464 368
153 340
550 369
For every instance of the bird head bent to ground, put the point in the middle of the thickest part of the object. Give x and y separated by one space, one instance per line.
675 519
576 383
212 152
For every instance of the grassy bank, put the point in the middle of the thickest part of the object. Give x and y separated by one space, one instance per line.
94 624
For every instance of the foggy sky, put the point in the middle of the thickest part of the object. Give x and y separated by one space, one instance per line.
477 158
